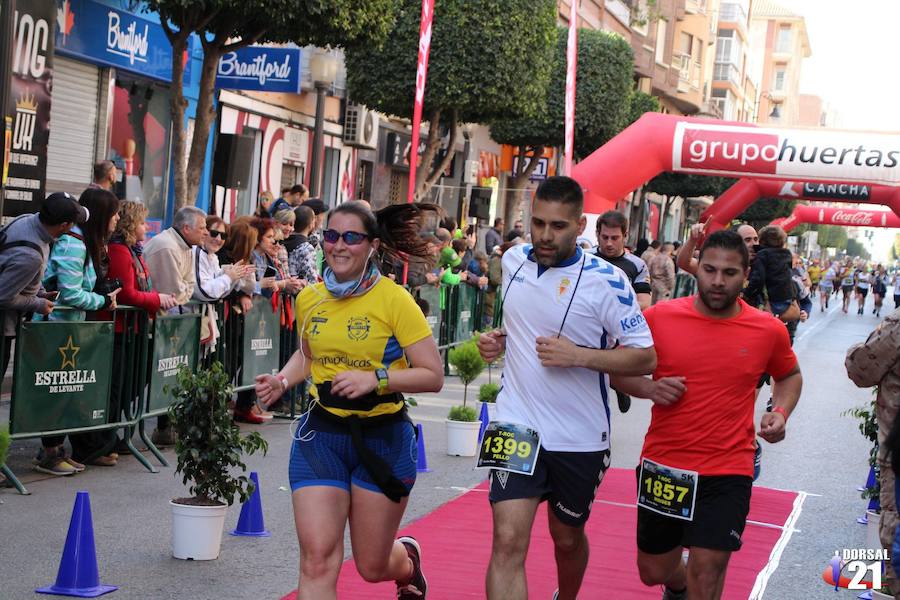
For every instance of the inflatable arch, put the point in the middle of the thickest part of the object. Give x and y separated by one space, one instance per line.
746 191
838 216
656 143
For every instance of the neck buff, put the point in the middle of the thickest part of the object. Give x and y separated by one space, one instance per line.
354 287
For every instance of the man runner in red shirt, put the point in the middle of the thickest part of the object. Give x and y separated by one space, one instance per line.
696 471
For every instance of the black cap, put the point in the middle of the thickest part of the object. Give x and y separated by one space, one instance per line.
60 207
316 205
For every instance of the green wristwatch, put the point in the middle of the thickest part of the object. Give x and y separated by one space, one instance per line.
382 376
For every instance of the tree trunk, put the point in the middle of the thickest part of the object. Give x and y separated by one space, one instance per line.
515 193
203 119
438 171
178 104
663 217
423 163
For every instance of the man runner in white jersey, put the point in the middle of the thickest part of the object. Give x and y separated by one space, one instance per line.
562 312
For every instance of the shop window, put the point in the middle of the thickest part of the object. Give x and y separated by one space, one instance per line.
139 141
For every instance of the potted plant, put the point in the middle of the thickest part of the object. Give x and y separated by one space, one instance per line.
868 427
462 422
209 446
487 394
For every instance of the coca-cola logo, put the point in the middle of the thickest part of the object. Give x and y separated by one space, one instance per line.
852 218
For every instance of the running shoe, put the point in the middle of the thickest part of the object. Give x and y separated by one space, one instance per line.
669 594
417 586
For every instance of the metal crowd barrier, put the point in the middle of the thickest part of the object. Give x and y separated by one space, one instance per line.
75 377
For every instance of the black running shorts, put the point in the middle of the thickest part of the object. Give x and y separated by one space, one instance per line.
720 514
569 480
862 292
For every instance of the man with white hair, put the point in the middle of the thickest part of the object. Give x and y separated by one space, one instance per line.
168 255
169 259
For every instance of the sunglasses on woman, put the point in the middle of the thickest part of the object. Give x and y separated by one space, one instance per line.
218 234
351 238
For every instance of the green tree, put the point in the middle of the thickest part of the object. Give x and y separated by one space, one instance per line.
855 248
689 186
604 80
895 248
640 103
489 59
765 210
227 25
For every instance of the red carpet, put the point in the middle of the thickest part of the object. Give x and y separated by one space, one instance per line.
456 546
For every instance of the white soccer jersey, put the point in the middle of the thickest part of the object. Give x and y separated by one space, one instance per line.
593 303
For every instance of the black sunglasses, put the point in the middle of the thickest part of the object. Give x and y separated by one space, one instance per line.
351 238
218 234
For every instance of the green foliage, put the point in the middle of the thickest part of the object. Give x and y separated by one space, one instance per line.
488 59
868 427
765 210
209 443
688 186
830 236
604 79
895 248
331 23
640 103
488 392
462 413
855 248
4 443
467 361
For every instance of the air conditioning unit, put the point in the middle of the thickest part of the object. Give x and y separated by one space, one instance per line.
360 126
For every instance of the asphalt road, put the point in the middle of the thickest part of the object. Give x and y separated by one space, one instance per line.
824 455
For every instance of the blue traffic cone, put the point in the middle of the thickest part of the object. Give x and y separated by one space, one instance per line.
78 575
421 460
874 504
485 418
251 522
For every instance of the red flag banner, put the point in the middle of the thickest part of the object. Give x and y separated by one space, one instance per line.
572 63
421 75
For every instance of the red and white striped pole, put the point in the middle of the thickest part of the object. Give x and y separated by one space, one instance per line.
421 75
571 64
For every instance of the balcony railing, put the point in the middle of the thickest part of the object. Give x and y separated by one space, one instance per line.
731 12
619 10
727 72
694 7
688 70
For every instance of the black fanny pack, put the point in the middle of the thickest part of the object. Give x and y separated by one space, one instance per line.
379 470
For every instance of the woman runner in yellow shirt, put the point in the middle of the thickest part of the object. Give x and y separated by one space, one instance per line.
365 342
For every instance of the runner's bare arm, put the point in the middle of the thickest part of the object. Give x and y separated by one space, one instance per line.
685 259
785 395
664 391
562 352
269 388
644 300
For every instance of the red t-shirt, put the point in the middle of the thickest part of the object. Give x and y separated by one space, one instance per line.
710 429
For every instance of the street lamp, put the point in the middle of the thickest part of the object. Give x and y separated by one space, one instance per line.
323 68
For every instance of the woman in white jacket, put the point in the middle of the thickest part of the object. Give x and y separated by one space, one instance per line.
214 282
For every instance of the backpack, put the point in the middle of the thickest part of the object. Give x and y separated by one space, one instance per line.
4 245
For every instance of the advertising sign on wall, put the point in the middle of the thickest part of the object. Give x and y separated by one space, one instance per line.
29 106
260 69
103 35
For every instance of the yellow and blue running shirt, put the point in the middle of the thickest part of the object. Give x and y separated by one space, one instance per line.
361 333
